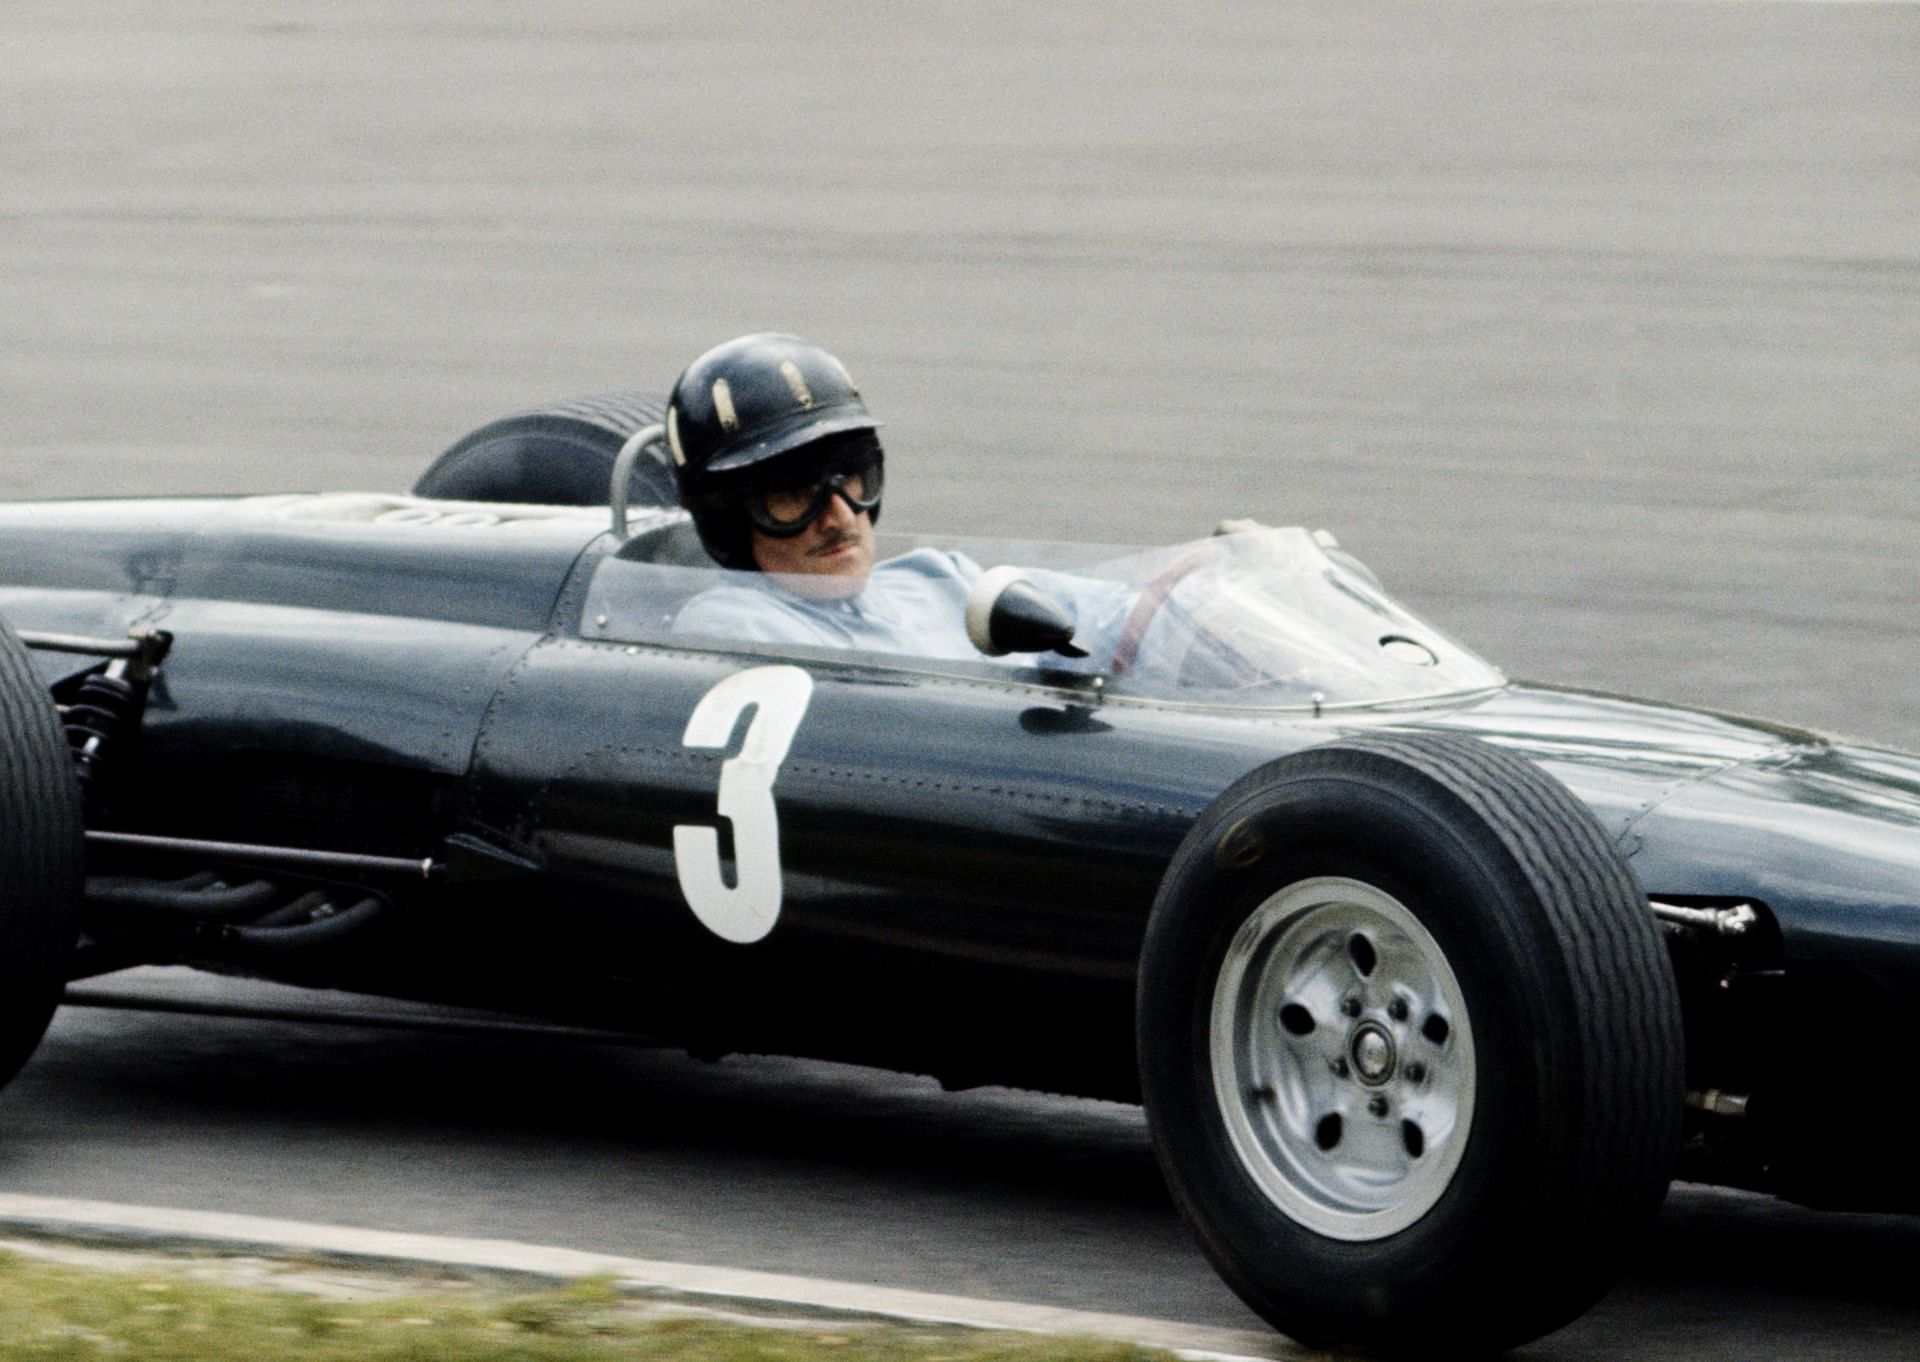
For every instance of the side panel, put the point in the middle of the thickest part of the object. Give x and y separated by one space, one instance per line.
966 868
319 728
333 656
96 569
1828 838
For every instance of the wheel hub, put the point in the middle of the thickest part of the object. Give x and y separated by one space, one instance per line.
1372 1053
1343 1058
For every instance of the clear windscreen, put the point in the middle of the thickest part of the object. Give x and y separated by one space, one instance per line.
1271 618
1267 618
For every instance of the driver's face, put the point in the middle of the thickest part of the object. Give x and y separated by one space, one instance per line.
829 559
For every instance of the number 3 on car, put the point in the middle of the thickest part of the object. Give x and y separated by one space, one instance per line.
746 910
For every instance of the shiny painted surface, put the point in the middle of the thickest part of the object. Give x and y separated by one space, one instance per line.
969 855
357 629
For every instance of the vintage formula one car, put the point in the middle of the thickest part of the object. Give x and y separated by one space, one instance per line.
1430 982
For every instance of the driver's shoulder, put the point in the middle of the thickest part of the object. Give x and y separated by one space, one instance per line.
730 609
931 564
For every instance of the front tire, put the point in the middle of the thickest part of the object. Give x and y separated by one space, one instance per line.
1409 1046
42 856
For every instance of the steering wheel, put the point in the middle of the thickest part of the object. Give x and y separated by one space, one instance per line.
1146 607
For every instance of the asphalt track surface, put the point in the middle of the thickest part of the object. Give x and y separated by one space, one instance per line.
811 1169
1594 328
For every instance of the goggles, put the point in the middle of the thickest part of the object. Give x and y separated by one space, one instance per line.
785 511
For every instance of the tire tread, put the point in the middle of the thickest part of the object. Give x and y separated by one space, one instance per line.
42 855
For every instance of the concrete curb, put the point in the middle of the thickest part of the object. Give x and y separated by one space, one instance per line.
157 1227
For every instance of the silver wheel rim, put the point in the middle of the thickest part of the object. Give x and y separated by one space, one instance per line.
1343 1059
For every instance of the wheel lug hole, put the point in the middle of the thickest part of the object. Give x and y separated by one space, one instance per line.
1378 1106
1416 1072
1341 1068
1296 1020
1351 1007
1397 1009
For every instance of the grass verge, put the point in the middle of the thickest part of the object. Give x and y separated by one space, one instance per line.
56 1312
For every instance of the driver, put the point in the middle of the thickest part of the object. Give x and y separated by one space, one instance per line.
778 461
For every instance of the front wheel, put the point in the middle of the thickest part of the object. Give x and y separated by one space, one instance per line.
1409 1045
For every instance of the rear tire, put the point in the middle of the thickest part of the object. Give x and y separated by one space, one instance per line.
1410 1046
42 856
555 456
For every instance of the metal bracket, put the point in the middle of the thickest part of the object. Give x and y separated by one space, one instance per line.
1734 921
141 651
1719 1103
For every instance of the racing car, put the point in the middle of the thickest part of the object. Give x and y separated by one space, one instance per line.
1429 981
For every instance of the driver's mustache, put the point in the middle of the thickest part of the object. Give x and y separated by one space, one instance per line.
829 545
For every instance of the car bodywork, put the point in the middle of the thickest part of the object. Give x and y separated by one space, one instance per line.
967 852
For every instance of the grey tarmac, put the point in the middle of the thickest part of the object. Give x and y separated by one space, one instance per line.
1593 327
787 1167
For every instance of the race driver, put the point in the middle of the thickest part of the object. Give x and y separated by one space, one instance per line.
778 460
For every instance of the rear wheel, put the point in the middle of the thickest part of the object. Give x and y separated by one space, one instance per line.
42 856
555 456
1409 1045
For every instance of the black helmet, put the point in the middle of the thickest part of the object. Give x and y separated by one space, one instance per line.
753 412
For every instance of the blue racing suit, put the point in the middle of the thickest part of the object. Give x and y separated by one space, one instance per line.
913 605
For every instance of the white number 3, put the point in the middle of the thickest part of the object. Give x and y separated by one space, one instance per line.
747 910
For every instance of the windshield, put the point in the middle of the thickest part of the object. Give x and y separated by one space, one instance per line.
1265 618
1272 618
